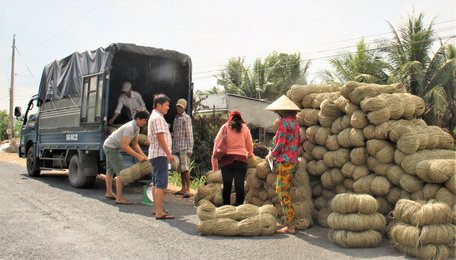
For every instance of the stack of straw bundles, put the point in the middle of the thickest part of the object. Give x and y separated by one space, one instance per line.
356 91
423 229
355 221
243 220
135 172
385 107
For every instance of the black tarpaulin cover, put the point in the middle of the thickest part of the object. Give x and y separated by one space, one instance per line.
63 77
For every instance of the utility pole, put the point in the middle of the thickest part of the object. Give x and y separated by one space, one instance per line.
10 127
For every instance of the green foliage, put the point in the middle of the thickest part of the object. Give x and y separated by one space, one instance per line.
431 77
196 182
363 66
213 90
409 50
268 79
17 126
204 131
4 122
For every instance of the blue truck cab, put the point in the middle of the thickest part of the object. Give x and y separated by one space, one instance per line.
66 122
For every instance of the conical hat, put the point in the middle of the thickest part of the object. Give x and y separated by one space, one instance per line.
283 103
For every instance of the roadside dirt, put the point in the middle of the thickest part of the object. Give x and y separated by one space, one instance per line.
14 158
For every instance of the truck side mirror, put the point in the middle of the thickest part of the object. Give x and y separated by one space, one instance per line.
17 111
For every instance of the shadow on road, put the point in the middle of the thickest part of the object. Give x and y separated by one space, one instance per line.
186 219
182 209
318 236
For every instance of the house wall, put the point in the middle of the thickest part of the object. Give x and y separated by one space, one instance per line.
253 112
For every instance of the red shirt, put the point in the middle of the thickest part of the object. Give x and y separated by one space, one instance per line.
287 141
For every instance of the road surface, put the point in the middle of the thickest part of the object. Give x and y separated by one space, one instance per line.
45 218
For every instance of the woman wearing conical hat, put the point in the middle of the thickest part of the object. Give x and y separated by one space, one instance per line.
285 157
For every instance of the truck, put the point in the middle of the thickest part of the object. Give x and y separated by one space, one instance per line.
66 122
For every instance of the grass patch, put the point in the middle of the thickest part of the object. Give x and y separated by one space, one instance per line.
175 179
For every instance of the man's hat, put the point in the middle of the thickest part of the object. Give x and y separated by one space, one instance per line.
283 103
181 103
126 86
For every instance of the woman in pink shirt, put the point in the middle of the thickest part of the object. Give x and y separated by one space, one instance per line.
234 163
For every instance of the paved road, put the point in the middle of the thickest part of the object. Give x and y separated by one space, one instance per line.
47 219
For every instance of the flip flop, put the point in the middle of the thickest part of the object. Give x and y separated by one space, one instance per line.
285 231
186 195
164 217
110 197
178 193
166 212
124 202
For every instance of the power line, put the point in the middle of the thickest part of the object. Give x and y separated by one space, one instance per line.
66 27
340 41
323 57
31 21
222 66
25 62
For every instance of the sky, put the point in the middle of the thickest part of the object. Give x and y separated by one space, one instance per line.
209 31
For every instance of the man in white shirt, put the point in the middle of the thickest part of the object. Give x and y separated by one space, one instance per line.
125 138
131 100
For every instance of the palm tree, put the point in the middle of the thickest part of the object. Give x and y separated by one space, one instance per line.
211 91
432 77
287 70
449 116
410 49
363 66
265 80
439 86
233 77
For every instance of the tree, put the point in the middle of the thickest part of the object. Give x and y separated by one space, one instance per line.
266 79
408 50
438 82
285 71
233 77
363 66
4 118
431 77
211 91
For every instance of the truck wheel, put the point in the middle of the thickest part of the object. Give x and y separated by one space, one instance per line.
33 163
80 172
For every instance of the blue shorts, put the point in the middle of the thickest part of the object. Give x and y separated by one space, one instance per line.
159 172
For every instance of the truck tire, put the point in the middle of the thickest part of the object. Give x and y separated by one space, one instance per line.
33 163
82 173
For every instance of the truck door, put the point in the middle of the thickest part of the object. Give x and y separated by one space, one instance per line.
92 99
29 133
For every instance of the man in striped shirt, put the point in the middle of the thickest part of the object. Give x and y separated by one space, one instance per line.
183 145
159 153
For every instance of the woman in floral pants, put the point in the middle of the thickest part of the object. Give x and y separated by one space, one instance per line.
285 156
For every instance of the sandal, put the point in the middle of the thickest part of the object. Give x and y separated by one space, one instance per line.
164 217
166 212
280 225
112 197
285 230
178 193
124 202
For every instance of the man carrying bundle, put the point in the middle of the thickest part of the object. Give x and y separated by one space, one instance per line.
120 140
